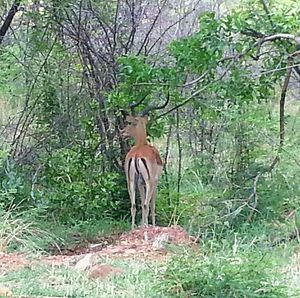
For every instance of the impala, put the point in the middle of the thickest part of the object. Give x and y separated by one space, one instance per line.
143 167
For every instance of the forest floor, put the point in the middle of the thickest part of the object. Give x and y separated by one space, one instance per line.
117 265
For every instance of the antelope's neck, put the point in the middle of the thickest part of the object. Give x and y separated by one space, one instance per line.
141 137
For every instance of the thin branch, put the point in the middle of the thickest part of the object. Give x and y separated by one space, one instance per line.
279 69
282 105
166 162
105 27
179 172
167 84
9 18
266 9
21 131
115 31
171 26
134 26
195 94
151 27
254 196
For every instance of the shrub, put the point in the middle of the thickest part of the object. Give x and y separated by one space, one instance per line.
73 187
14 188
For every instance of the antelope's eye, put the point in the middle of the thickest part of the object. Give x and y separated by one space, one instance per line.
132 123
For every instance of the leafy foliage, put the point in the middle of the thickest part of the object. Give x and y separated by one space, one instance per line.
76 72
76 189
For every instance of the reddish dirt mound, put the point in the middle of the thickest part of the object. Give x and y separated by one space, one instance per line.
103 271
148 242
175 235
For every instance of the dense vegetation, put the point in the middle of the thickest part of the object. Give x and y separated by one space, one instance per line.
227 79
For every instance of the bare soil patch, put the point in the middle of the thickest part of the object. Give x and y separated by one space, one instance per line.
12 261
149 242
142 243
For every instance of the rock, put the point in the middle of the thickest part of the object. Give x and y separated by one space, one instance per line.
86 262
160 241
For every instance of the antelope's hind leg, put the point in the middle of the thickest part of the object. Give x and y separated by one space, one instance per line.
142 190
130 177
152 204
144 167
148 200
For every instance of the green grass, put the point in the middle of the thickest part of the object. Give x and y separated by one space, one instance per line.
245 261
228 268
41 281
224 274
28 232
19 233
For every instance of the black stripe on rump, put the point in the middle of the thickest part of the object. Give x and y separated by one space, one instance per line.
128 170
136 166
145 164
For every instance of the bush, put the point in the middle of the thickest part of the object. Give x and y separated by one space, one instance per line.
14 188
73 187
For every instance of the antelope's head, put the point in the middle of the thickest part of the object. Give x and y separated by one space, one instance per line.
136 126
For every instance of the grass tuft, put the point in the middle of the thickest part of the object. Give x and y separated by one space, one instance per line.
19 233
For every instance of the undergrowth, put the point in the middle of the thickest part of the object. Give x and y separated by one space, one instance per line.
223 274
19 233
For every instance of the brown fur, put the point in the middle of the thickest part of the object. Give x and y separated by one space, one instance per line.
148 151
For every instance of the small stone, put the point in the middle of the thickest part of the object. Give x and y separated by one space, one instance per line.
86 262
160 241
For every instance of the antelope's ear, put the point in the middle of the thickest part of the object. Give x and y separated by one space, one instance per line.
145 119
